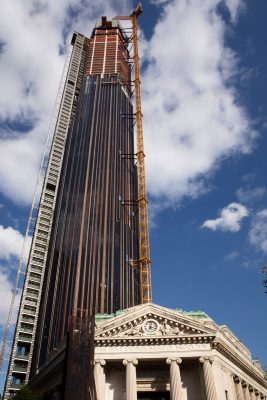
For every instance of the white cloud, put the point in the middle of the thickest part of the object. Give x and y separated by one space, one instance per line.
250 177
5 295
6 288
258 231
247 195
229 220
159 2
232 256
19 163
11 242
11 245
234 6
192 117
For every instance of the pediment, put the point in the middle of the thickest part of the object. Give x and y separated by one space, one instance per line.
150 320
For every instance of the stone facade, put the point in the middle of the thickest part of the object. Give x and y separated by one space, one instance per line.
150 352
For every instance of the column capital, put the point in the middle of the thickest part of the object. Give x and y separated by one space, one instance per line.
244 384
177 360
100 379
209 380
131 389
133 361
236 379
175 378
101 362
203 359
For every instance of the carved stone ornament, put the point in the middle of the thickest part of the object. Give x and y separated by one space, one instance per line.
150 327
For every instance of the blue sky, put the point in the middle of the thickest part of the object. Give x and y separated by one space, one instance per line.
204 99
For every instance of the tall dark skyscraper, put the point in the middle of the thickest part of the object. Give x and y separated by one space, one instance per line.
85 255
95 240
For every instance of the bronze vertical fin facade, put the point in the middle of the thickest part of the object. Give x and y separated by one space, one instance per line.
95 238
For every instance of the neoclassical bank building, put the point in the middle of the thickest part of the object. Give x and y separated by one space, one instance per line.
149 352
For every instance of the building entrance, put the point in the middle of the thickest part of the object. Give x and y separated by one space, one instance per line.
153 396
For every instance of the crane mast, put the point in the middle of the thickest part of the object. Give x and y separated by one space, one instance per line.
144 261
144 249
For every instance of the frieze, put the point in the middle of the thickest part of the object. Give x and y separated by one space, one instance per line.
131 349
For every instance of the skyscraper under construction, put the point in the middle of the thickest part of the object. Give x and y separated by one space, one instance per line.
90 262
89 254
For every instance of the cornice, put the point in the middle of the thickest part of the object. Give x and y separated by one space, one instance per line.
233 356
153 340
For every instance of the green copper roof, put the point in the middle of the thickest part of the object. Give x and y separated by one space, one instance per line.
193 314
106 317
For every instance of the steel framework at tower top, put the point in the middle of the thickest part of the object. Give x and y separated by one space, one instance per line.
144 261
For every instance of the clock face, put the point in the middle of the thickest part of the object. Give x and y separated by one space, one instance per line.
150 326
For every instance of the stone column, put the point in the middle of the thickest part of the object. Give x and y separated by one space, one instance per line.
238 388
252 393
208 378
175 378
245 390
100 379
131 387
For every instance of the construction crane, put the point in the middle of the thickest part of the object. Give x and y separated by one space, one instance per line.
144 261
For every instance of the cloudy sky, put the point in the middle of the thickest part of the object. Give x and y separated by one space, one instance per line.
204 82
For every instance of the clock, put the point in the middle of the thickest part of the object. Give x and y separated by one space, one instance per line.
150 326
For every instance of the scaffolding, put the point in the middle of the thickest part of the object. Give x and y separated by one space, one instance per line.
78 377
